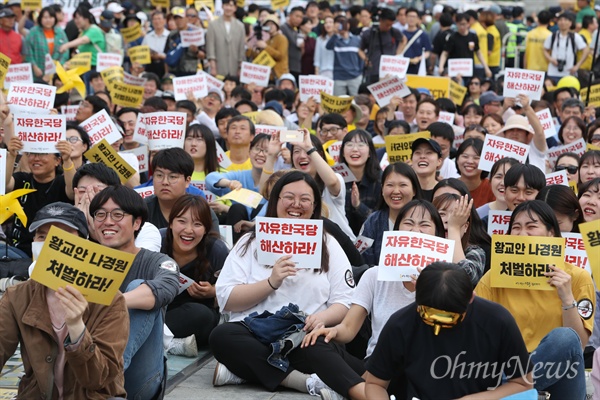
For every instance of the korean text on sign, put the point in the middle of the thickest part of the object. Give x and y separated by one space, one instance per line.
393 65
385 90
313 85
165 129
253 73
575 251
498 222
557 178
578 147
268 129
95 270
545 117
31 98
521 262
40 134
497 147
107 60
127 95
403 252
302 239
104 153
460 66
192 83
100 126
590 233
18 73
141 152
193 37
518 81
399 147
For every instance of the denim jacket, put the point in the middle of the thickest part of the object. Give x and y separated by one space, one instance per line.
282 330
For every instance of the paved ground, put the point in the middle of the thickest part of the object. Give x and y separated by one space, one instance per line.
200 384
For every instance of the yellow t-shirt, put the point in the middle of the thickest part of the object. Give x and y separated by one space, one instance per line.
483 42
494 53
534 49
587 64
239 167
537 312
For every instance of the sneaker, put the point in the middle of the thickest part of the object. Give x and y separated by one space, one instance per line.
223 376
184 347
330 394
314 385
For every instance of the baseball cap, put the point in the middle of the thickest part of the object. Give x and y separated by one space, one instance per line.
288 77
106 19
166 94
495 8
115 8
13 3
275 106
488 97
6 13
217 92
432 143
63 213
178 12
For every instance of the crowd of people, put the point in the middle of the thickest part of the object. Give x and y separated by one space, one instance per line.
335 330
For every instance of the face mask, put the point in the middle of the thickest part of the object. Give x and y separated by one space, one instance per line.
36 248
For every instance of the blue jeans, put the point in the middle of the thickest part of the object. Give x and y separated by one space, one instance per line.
144 355
558 365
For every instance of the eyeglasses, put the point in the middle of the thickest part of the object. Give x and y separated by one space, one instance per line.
258 150
571 169
330 131
595 138
304 202
116 215
191 15
171 178
474 83
74 139
356 145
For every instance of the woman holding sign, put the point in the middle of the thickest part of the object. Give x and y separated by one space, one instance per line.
323 293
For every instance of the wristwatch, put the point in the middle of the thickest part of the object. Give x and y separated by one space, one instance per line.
570 306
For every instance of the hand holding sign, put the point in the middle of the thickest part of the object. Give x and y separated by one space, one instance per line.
74 305
562 282
283 268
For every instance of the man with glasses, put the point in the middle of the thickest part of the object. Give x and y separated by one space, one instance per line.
332 127
418 45
225 42
152 282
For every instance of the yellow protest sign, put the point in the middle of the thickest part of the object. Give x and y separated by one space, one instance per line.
591 147
210 4
252 115
573 185
125 95
457 93
4 64
438 86
590 233
398 147
594 95
104 153
161 3
95 270
112 75
278 4
31 4
244 196
334 104
240 3
81 60
131 33
140 54
264 58
521 262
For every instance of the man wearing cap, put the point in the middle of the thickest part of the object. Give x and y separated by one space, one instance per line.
70 348
156 39
384 40
11 43
211 104
182 61
534 43
286 81
290 31
225 42
117 11
426 160
560 49
114 40
491 103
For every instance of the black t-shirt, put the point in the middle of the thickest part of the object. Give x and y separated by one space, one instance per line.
439 41
468 358
457 45
389 41
46 193
155 216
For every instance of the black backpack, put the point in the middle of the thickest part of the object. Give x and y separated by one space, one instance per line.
570 38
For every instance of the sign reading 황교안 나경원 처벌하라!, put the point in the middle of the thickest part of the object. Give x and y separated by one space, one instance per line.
399 146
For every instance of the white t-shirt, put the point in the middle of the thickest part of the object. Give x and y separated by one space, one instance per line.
537 158
149 238
381 299
562 49
311 291
337 207
448 169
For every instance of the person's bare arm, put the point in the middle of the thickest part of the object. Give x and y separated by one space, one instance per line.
513 386
539 138
140 298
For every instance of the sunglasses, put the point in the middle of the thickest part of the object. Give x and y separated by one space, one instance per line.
571 169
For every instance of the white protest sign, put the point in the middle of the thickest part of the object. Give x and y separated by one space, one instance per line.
107 60
165 129
363 243
334 151
522 81
545 117
191 83
393 65
18 73
184 282
212 82
575 251
133 80
446 117
139 132
226 232
313 85
460 66
32 98
557 178
300 238
49 66
578 147
100 126
199 185
498 222
345 172
269 129
192 38
141 152
2 172
222 158
145 191
40 134
403 252
69 112
385 90
497 147
254 73
459 136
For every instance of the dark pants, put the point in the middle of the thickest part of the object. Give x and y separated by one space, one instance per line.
236 347
192 319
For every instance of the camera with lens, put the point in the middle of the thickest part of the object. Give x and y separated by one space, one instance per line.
259 29
561 65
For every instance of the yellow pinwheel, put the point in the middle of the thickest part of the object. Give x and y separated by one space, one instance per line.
71 79
9 205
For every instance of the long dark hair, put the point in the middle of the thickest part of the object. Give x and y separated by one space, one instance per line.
200 210
371 169
291 177
446 199
563 201
425 206
405 170
542 210
211 162
477 146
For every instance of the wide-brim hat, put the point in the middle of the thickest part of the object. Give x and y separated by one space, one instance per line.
517 122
